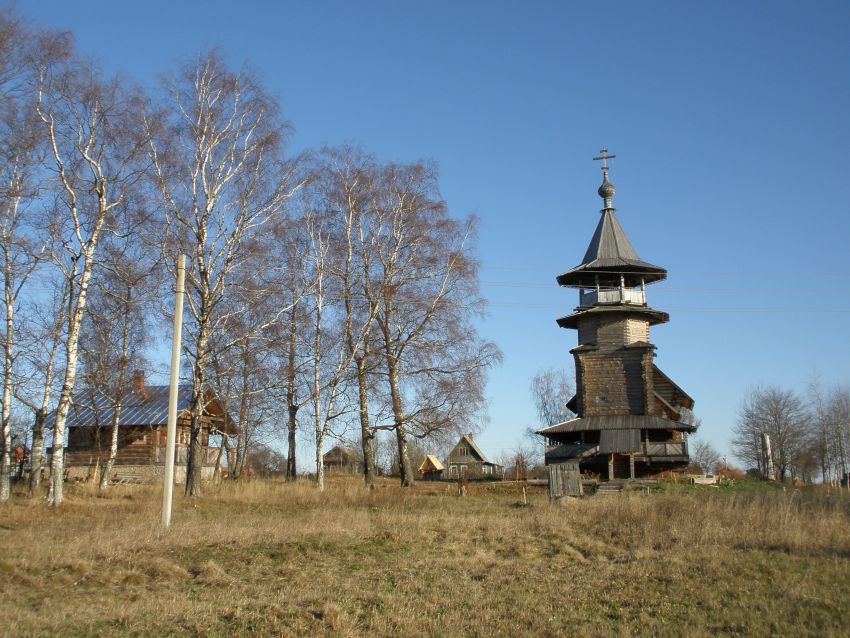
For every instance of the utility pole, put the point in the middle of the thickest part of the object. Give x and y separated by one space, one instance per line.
171 434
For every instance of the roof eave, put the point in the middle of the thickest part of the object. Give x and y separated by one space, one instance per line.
638 422
653 316
585 275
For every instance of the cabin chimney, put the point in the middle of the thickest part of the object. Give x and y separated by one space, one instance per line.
139 382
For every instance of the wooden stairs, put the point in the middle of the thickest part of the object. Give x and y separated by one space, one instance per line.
611 488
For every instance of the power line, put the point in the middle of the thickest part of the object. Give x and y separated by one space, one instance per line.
807 310
521 284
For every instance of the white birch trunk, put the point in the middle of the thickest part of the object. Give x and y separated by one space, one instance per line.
37 450
317 388
8 352
194 460
113 448
6 460
119 392
55 494
320 465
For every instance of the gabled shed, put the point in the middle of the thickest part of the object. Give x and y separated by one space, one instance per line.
431 469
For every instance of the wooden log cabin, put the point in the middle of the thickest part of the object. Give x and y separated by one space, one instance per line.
141 433
632 420
342 460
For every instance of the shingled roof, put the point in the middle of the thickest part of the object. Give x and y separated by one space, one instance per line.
609 254
468 439
651 315
431 463
617 422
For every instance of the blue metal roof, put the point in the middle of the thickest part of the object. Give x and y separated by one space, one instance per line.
148 409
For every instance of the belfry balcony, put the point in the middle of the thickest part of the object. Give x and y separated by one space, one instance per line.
560 452
612 296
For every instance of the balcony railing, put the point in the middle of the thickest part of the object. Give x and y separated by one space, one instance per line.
612 296
567 450
665 449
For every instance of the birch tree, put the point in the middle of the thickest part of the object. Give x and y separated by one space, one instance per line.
330 357
45 339
324 391
346 178
291 341
242 374
216 162
434 361
830 430
113 340
551 390
22 234
94 148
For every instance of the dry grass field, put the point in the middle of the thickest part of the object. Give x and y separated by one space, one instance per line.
267 558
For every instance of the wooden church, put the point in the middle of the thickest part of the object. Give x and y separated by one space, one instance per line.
632 420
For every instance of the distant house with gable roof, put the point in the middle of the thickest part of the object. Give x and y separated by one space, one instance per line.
342 460
466 460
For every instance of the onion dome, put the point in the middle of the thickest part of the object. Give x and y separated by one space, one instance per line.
607 191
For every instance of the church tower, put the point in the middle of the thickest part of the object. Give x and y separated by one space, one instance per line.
631 420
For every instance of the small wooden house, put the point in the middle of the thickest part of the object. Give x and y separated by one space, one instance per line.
342 460
431 469
466 460
141 433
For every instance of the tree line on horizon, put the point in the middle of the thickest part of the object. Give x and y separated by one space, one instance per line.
326 292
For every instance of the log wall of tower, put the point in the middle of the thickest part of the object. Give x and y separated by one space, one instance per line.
614 377
612 331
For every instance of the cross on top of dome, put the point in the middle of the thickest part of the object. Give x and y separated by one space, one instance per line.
606 190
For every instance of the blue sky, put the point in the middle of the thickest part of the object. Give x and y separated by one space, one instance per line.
729 121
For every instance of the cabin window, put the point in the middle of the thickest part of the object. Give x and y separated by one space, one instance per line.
658 436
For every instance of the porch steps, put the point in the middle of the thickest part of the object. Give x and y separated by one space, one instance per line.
610 488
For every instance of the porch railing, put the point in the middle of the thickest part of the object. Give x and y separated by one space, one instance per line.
567 450
665 449
612 296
